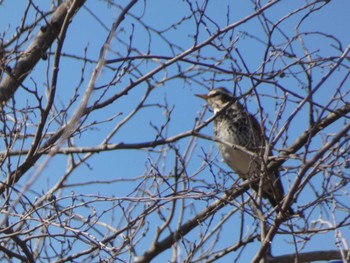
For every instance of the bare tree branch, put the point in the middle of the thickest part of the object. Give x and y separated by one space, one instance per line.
37 49
307 257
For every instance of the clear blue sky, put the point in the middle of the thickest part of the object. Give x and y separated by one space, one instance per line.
85 32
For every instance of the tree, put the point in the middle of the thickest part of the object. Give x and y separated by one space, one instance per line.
106 155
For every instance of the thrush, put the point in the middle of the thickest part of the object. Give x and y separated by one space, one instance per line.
241 143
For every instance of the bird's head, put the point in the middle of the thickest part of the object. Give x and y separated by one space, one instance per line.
217 98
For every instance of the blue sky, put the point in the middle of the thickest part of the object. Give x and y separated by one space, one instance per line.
86 33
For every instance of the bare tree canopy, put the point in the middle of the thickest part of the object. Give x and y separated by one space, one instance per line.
107 155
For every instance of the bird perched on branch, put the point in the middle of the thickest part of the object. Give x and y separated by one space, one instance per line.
241 143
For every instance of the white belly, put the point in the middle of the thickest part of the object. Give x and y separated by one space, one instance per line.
242 163
239 161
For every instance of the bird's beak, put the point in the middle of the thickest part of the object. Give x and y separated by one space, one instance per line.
202 96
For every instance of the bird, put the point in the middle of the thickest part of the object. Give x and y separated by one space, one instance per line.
241 143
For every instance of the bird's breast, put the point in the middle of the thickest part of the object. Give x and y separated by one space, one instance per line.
240 161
